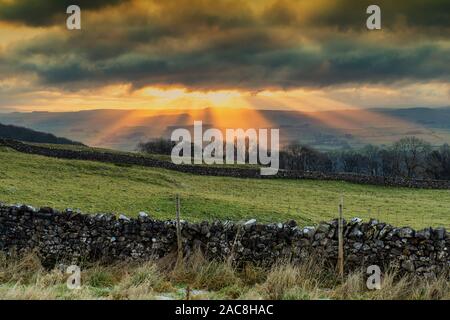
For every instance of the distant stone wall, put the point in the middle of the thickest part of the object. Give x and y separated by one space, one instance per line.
119 158
71 236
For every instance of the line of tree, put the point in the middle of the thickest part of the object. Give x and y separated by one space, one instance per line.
409 157
157 146
164 146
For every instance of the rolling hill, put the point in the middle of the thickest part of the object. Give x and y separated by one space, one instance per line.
25 134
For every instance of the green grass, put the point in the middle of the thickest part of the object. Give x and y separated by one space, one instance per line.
97 187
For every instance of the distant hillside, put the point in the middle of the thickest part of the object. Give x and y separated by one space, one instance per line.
25 134
324 130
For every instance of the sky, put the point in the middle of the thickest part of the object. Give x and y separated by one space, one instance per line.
262 54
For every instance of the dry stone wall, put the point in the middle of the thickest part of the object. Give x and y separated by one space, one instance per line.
70 236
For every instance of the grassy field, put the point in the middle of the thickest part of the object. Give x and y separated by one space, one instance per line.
97 187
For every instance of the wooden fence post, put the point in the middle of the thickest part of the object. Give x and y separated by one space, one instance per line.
188 293
341 239
179 242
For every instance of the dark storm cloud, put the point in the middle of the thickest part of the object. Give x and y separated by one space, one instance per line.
339 13
229 43
45 12
249 61
414 13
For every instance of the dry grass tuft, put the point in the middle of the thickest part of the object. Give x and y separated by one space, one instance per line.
25 278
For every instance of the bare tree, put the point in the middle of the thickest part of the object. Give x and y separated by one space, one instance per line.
412 153
372 153
438 163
